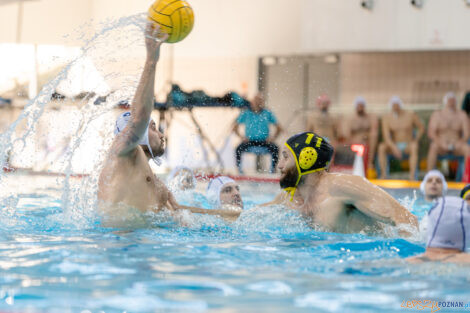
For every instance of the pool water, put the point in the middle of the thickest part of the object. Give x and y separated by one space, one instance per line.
54 258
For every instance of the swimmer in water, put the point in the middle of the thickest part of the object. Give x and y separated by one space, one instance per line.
338 202
448 232
126 178
224 193
433 186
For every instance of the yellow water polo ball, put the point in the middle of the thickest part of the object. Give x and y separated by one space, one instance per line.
307 158
175 17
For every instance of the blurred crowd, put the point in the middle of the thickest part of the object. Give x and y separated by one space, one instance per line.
395 135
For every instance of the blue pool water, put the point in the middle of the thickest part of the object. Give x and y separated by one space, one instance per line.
61 260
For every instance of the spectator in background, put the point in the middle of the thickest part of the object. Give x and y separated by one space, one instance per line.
322 123
362 128
448 131
257 120
400 138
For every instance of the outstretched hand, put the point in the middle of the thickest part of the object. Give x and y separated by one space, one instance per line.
154 39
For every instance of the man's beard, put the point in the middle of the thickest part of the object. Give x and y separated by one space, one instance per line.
156 153
290 178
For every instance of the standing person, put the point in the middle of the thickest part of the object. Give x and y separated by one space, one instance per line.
448 131
321 122
257 120
363 128
398 128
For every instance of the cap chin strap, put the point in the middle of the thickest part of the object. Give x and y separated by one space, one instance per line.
291 191
155 159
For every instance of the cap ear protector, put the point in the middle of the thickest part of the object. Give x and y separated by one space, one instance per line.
311 152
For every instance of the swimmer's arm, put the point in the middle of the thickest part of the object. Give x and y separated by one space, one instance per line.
222 213
143 103
373 201
173 205
419 125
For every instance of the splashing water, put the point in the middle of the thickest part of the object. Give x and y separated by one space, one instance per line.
56 257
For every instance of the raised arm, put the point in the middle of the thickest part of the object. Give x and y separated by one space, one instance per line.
142 104
373 201
173 205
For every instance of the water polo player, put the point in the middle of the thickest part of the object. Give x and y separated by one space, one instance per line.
126 178
337 202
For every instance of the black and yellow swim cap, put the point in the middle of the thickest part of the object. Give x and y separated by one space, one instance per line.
311 152
465 192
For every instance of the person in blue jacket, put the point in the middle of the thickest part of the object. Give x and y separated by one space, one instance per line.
257 120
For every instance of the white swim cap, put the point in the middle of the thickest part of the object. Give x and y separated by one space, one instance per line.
434 173
449 224
395 99
121 123
215 187
359 99
447 96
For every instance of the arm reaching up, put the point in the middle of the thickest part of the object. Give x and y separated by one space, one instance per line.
142 104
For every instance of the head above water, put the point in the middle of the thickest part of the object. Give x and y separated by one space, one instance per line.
303 154
323 102
449 224
450 101
222 191
360 105
152 142
434 185
257 104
